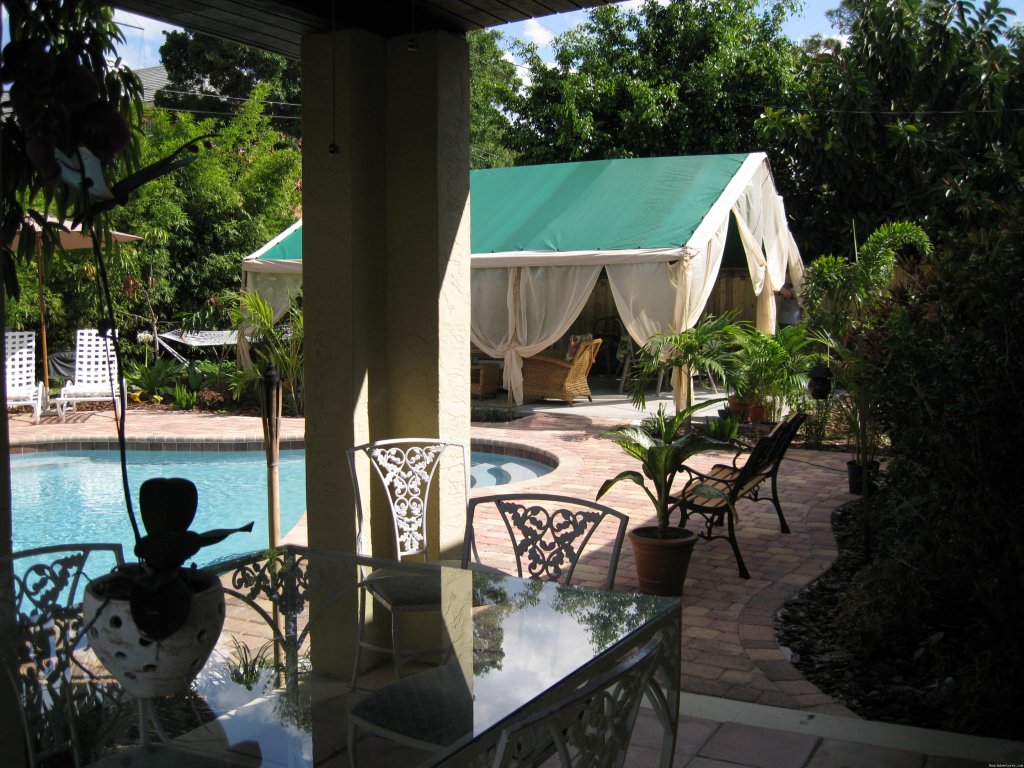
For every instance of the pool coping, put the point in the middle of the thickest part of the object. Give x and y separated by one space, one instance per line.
207 444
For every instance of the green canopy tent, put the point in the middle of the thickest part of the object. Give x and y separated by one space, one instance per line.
658 226
275 270
542 234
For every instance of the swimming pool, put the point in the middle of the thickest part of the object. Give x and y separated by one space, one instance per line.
76 495
59 496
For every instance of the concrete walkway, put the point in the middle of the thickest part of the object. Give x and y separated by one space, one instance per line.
744 704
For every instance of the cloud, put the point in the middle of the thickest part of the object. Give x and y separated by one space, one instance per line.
535 32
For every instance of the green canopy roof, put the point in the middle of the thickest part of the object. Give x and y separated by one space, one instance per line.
287 246
604 205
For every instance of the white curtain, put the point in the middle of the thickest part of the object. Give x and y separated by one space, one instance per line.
770 249
657 298
520 311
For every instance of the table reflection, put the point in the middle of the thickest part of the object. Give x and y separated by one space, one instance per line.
276 692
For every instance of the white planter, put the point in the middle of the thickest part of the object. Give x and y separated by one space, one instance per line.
145 667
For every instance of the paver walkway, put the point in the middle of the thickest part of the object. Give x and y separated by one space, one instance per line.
729 647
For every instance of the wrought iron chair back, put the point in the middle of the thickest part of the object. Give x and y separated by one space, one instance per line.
55 681
406 467
590 727
548 533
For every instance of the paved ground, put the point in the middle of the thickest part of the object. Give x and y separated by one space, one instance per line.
744 703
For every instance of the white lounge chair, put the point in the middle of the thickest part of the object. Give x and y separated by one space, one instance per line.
22 386
95 369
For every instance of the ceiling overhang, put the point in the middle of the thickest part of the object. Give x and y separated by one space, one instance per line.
280 25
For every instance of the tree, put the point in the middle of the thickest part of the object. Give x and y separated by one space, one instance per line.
198 223
492 86
64 94
673 79
911 118
209 76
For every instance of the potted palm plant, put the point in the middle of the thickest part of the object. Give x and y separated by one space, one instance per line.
661 444
842 298
704 347
770 369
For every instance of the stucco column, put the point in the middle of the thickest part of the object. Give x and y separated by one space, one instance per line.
385 267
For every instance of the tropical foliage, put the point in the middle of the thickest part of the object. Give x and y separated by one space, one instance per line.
841 299
64 94
942 592
913 116
271 343
770 370
704 347
661 444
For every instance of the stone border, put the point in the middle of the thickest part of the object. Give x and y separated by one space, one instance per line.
148 444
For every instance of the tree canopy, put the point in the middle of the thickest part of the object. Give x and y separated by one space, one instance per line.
493 83
210 77
917 116
666 79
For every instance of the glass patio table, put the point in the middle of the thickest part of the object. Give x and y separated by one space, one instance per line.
276 690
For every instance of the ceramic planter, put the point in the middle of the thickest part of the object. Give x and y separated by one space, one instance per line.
661 564
145 667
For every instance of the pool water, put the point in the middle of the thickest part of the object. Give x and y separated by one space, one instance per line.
77 496
497 469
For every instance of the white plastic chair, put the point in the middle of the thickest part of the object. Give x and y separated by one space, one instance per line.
95 369
406 467
22 386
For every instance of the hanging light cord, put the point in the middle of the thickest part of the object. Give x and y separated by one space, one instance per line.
332 148
108 329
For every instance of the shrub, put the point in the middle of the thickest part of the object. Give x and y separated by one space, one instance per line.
945 584
156 380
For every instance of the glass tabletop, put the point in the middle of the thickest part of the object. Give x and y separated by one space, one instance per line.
276 690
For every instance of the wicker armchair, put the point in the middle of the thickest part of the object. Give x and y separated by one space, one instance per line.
484 380
553 377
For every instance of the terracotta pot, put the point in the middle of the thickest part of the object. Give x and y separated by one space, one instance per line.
661 564
738 408
145 667
755 413
855 476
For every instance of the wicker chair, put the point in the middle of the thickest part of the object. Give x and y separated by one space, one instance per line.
484 380
553 377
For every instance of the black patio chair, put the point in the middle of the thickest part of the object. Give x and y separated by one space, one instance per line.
735 483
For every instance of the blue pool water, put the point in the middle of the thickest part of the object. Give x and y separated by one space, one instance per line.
76 496
497 469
